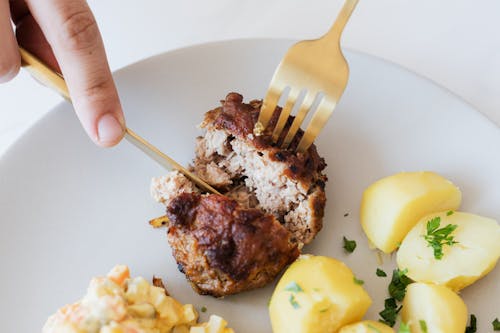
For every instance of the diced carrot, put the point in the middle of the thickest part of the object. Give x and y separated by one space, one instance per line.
119 274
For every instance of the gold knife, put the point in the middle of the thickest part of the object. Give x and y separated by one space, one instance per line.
56 81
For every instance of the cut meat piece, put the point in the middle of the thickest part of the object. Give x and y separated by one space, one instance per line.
165 188
223 248
272 204
287 184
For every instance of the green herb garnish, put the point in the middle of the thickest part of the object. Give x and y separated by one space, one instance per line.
293 287
373 328
423 326
390 312
399 281
496 324
324 310
293 302
404 328
203 309
357 281
381 273
397 291
450 212
472 328
349 245
437 237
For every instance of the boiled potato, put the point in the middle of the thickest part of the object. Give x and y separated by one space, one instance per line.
475 254
367 326
317 295
441 309
393 205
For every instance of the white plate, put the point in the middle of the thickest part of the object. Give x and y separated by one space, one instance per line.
70 211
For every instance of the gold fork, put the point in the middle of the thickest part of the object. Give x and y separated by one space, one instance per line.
55 81
318 66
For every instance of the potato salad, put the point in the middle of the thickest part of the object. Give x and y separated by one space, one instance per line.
118 303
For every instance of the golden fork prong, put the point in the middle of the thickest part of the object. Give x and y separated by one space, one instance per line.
267 109
285 113
318 121
299 118
315 65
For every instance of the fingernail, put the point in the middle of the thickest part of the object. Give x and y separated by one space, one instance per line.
109 130
9 75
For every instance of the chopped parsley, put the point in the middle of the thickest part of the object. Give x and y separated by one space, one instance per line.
423 326
293 302
437 237
496 325
390 312
399 281
472 328
349 245
380 273
203 309
293 287
357 281
450 212
404 328
397 291
373 328
324 310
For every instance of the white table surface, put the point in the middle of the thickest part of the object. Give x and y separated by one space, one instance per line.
455 43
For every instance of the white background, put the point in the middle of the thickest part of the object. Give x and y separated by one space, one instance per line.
455 43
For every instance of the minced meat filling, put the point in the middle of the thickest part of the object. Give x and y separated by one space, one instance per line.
280 194
283 183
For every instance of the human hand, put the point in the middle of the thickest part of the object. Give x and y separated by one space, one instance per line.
64 34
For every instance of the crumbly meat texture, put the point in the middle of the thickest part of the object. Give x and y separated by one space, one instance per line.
224 248
165 188
282 182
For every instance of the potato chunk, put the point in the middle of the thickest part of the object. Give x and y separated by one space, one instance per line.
317 295
475 254
367 326
441 309
393 205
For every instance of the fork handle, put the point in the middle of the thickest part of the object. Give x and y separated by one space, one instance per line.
345 13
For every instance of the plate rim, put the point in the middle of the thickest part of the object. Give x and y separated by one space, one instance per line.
61 114
12 147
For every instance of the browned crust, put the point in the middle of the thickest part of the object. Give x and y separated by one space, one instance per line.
239 120
158 282
223 248
317 203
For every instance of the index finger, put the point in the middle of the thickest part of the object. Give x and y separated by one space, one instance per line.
72 32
